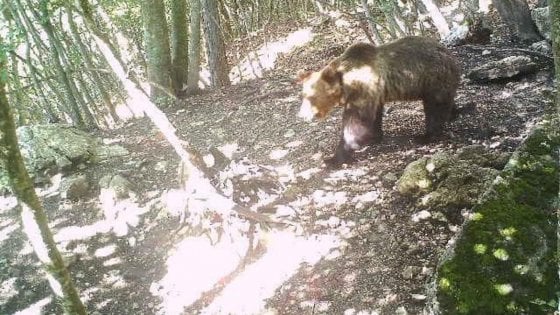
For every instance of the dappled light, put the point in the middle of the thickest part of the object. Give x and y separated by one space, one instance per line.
256 63
197 268
9 226
501 254
35 308
121 214
503 289
180 167
8 289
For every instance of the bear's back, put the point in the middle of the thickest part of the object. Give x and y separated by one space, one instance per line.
407 68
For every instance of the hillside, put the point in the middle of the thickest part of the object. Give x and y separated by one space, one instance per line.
356 245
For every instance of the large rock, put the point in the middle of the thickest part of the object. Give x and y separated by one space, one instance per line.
47 149
455 180
505 261
504 69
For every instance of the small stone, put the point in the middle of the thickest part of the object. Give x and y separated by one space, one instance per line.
422 215
401 311
161 166
410 272
334 222
74 188
289 133
418 297
132 241
390 178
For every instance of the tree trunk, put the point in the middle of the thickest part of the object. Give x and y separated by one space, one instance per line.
516 15
89 63
371 23
437 18
217 60
555 36
179 44
44 19
194 48
33 217
157 47
196 185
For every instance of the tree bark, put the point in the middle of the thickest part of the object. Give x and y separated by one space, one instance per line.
516 15
377 40
89 63
196 184
179 44
435 14
71 101
194 48
156 43
217 60
35 223
555 36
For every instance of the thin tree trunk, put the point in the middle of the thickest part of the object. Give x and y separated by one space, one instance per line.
217 60
179 44
439 21
555 36
157 48
516 15
196 184
35 223
194 48
44 18
90 65
371 23
22 113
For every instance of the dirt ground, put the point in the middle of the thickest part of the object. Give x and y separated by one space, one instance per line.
369 253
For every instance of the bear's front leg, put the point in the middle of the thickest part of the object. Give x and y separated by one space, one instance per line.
342 154
356 132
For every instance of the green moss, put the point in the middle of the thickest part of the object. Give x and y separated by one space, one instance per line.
506 260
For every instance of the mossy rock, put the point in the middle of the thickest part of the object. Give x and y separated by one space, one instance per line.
506 259
415 178
451 180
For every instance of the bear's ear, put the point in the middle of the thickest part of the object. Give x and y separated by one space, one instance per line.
302 75
331 75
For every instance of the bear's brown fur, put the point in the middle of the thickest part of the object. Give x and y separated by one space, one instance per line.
365 77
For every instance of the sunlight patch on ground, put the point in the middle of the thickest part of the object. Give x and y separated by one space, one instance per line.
284 255
35 308
8 289
194 268
278 154
105 251
82 232
113 280
120 213
7 230
322 198
256 63
112 262
306 174
197 267
352 174
7 203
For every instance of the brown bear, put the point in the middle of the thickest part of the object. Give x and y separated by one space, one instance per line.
365 77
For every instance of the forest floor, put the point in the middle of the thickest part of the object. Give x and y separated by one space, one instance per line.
358 246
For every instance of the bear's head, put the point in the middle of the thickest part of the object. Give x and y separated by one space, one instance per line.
321 91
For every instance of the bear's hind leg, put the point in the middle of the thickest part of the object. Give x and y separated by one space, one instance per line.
438 110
